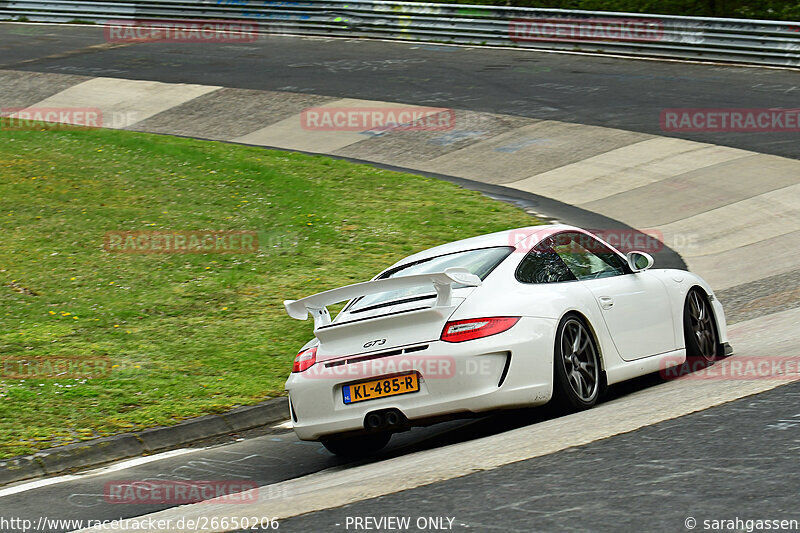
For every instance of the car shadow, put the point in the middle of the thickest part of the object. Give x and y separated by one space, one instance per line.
464 430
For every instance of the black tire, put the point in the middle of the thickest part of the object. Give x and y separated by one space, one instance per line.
699 330
577 376
358 446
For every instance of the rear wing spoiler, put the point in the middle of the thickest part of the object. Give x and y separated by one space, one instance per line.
442 283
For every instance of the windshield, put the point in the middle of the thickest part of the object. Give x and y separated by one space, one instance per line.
479 262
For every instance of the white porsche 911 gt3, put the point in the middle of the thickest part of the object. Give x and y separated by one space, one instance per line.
511 319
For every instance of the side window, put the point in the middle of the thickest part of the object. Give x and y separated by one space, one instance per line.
543 265
586 257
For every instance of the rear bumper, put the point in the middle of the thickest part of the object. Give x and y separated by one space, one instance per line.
512 369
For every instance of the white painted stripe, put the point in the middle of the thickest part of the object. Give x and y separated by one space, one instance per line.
290 133
626 168
122 103
738 224
540 147
122 465
337 487
753 262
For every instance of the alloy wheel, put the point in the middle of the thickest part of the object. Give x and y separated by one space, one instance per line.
579 357
702 328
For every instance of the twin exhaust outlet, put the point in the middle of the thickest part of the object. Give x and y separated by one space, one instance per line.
385 419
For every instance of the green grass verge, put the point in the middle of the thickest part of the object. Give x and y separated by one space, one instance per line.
187 334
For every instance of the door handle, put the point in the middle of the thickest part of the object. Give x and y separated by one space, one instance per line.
606 302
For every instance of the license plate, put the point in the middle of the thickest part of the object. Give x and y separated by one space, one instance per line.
380 388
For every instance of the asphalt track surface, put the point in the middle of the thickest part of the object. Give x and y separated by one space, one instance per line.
628 94
728 459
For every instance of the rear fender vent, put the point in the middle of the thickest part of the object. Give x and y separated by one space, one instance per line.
291 410
505 369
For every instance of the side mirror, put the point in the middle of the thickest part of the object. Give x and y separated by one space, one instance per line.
639 261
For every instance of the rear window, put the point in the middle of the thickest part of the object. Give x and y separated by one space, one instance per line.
480 262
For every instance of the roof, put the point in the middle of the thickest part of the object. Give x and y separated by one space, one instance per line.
511 237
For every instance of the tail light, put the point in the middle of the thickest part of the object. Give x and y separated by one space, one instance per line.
475 328
305 360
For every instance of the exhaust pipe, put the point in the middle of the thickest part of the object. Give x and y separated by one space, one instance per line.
374 421
386 419
392 418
